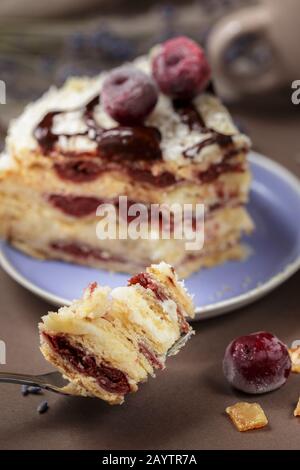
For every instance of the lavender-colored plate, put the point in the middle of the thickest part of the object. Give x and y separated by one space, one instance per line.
274 246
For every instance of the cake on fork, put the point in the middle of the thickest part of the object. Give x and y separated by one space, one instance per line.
153 131
110 340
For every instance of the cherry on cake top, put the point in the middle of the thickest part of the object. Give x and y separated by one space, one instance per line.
129 95
180 68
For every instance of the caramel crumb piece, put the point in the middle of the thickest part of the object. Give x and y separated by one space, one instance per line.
295 358
246 416
297 409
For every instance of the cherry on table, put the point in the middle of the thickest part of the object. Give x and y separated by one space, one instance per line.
257 363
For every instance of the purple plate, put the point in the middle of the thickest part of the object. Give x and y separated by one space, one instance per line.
274 254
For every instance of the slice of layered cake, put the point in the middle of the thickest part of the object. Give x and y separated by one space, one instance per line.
110 340
153 131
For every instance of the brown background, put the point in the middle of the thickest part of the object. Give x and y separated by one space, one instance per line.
183 408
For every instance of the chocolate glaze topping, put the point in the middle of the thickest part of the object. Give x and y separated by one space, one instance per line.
192 118
43 132
136 147
189 115
128 143
221 139
211 88
119 143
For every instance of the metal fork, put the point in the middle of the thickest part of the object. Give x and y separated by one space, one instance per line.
53 381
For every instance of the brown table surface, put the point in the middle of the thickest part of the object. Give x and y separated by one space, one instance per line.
183 408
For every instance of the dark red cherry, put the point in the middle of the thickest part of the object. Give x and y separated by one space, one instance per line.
257 363
129 95
180 68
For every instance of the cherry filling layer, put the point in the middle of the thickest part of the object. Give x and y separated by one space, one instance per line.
216 170
86 170
183 324
162 180
110 379
150 356
82 206
77 206
84 251
145 280
78 171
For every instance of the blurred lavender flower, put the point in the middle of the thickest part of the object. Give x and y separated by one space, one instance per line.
111 45
168 12
73 69
87 53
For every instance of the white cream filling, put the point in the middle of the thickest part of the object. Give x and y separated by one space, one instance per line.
141 314
6 162
170 308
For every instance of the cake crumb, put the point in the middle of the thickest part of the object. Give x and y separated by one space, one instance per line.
297 409
247 416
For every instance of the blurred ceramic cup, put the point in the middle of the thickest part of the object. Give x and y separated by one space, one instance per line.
255 49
